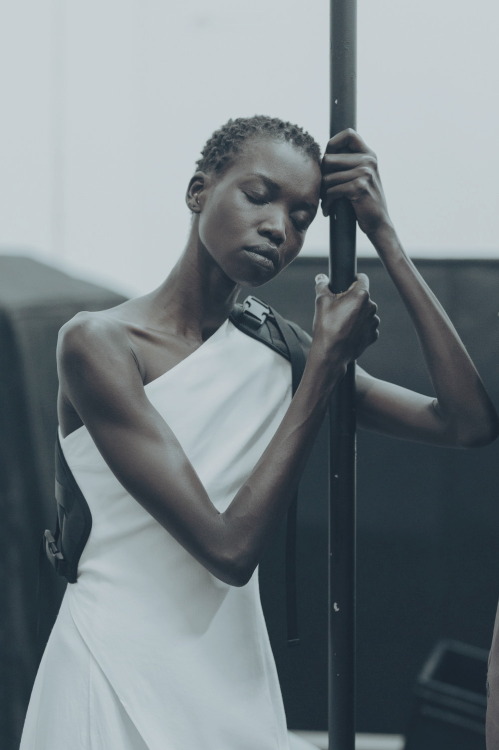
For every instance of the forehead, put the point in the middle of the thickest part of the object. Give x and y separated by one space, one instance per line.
279 161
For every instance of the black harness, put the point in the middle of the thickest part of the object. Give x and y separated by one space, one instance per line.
64 546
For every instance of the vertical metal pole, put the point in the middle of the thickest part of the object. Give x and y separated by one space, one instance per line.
342 270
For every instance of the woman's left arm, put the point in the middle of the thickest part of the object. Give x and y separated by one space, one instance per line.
462 413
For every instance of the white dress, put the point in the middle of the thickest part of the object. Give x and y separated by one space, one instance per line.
149 650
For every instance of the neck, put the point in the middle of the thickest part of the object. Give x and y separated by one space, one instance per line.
197 296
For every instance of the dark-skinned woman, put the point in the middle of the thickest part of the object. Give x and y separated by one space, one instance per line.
184 439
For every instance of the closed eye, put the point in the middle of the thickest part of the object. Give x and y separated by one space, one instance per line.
257 198
302 223
301 220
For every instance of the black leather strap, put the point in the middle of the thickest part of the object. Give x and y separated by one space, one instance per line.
297 356
298 361
73 523
263 323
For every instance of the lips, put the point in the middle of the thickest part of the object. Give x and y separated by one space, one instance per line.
266 255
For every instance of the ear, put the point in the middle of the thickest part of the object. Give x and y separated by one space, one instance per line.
195 191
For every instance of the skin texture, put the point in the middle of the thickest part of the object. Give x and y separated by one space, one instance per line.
248 224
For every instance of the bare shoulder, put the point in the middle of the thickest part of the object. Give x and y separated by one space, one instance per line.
92 337
94 355
96 368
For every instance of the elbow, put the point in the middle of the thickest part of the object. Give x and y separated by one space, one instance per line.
479 441
233 556
228 566
241 573
234 566
474 428
233 572
479 435
240 578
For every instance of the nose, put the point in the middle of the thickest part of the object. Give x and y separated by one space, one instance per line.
273 226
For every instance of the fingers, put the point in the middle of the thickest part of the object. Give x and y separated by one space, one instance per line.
359 173
361 283
352 190
347 140
345 323
343 162
353 176
360 288
321 281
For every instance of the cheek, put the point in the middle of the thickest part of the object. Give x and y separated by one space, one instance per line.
292 253
221 222
295 243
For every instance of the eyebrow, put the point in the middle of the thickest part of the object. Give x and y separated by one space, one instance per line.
275 187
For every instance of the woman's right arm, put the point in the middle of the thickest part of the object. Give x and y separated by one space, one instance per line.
99 377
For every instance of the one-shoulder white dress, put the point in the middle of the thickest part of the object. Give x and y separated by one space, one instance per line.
149 650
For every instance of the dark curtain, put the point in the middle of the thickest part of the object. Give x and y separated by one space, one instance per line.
427 521
35 301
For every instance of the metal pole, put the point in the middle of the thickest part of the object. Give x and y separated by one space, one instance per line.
342 270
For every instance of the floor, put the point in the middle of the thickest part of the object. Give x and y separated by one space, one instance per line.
362 741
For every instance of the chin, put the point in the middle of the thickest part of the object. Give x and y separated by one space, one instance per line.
257 279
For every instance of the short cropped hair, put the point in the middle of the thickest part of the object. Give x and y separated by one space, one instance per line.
228 140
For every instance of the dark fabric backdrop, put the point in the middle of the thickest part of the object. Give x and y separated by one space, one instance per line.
428 518
35 301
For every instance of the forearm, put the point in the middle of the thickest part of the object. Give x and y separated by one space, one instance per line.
343 326
263 499
462 401
163 480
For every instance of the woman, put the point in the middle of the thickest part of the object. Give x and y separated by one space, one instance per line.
182 435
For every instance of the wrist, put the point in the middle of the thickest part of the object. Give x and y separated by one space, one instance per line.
324 366
384 236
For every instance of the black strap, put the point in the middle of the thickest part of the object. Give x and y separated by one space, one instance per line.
63 548
296 354
259 318
41 588
298 361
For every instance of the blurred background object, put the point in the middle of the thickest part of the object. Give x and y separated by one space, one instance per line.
451 700
35 301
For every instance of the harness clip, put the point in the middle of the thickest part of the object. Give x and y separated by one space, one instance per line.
51 548
255 312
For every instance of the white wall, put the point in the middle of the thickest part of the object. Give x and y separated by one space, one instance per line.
107 104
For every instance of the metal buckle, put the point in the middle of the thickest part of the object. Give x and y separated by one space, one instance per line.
255 311
51 547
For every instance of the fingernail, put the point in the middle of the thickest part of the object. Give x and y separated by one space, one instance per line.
320 277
